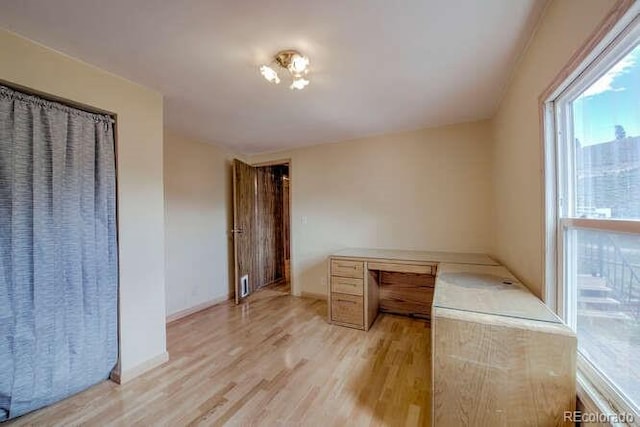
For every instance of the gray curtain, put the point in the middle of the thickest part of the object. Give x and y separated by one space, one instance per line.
58 251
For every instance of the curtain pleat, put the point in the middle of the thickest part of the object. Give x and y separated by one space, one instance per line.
58 251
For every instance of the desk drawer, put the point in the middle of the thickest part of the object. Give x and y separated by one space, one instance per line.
402 268
342 268
347 285
347 309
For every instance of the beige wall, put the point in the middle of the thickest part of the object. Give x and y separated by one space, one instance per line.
198 217
140 193
428 189
518 173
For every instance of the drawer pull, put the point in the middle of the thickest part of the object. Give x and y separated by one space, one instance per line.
347 309
354 267
349 269
347 285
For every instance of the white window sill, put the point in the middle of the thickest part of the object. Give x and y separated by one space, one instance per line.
594 402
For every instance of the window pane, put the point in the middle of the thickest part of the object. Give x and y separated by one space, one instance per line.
606 272
606 130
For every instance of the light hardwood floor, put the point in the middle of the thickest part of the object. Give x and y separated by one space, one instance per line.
273 360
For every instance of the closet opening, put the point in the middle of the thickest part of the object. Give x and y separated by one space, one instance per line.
59 251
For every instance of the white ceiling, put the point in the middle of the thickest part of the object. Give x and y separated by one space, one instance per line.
377 66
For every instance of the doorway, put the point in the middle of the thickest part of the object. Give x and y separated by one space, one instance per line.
261 227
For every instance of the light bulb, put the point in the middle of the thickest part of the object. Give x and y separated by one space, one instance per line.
298 64
299 83
269 74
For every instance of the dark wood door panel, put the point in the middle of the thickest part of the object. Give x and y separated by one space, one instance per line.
244 182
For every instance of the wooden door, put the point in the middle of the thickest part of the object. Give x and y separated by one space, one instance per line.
244 187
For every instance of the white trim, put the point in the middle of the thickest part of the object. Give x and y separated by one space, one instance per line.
593 402
607 40
136 371
559 274
621 44
558 196
611 225
550 183
569 267
601 394
196 308
560 220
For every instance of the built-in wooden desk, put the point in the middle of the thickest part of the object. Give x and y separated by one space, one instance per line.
498 352
499 356
363 282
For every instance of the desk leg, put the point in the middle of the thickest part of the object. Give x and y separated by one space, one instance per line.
371 296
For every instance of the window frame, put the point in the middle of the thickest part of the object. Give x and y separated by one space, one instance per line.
558 159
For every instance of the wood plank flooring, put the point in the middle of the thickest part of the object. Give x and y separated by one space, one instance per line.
273 360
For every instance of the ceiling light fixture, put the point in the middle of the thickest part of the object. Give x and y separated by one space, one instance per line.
299 83
269 74
294 62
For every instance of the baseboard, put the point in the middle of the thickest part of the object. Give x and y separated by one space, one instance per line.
305 294
196 308
128 375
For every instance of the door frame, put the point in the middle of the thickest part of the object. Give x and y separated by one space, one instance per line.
289 162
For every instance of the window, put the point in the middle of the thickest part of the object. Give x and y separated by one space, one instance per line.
593 141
